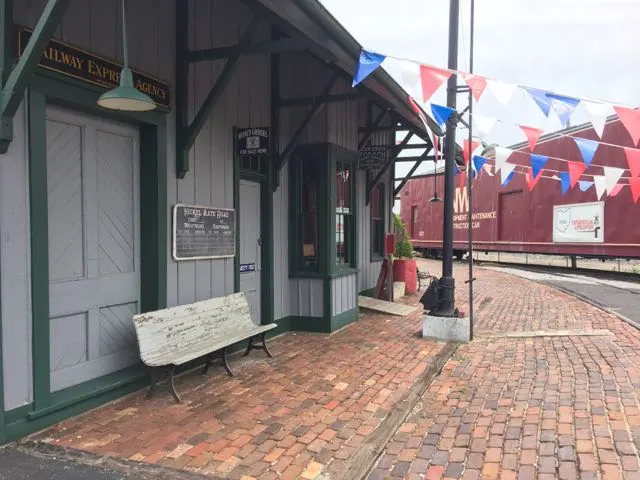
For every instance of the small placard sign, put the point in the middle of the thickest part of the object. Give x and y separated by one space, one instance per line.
247 267
253 141
203 232
372 156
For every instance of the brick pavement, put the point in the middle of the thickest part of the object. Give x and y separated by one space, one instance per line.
305 412
546 407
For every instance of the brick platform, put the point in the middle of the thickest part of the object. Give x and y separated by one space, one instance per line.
541 407
305 412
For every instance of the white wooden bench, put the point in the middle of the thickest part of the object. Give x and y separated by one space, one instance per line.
174 336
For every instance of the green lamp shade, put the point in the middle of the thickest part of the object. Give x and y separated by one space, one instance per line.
126 96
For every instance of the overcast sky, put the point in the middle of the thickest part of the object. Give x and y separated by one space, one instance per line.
583 48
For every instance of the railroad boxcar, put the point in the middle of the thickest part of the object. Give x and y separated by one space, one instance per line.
513 218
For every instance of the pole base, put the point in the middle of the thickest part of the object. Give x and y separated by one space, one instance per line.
446 329
446 299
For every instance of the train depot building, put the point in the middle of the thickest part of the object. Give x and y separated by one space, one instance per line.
260 170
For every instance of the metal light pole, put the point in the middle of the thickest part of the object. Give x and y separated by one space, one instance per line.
469 180
446 306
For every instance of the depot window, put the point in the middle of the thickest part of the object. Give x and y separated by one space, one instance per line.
377 222
322 211
307 178
345 227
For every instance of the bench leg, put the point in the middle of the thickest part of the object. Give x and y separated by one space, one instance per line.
157 373
173 386
258 342
220 354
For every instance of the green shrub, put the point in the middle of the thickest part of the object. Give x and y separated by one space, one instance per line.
404 249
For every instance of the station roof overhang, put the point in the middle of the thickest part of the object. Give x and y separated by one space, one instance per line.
333 43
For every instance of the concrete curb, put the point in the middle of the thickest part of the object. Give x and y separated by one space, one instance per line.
363 461
128 468
577 295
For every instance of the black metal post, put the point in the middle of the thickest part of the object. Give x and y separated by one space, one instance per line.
446 307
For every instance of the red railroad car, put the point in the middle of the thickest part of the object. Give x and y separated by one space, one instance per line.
514 219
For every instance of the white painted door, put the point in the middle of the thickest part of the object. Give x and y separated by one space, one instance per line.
250 245
94 255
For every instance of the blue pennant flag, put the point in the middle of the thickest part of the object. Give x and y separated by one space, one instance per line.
565 182
537 162
508 179
441 113
541 99
367 63
587 149
564 106
478 162
584 185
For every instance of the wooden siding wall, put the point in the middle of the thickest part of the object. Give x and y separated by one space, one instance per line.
369 270
94 25
342 119
345 294
245 102
15 269
300 76
283 288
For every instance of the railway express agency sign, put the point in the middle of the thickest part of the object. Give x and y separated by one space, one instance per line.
578 223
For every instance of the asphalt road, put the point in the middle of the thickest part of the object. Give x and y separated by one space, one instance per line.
619 296
32 463
16 465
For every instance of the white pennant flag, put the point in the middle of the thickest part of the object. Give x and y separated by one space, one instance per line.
601 185
483 125
598 113
505 171
411 80
501 157
487 168
611 177
501 90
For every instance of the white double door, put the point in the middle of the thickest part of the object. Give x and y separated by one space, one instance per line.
250 246
94 246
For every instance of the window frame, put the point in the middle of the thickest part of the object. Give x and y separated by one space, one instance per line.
327 156
351 238
377 255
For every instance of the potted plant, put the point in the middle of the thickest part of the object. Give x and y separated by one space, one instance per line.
404 265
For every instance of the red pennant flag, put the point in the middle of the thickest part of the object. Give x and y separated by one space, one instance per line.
615 190
476 83
633 159
431 79
465 149
630 118
634 184
576 169
533 134
531 182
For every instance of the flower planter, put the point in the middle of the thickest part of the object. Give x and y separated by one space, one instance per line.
404 270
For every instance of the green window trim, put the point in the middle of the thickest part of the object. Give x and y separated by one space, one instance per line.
377 224
325 157
345 159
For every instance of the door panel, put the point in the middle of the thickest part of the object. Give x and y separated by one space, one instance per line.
94 246
250 246
66 199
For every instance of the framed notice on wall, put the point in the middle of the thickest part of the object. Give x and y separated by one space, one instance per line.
579 223
203 232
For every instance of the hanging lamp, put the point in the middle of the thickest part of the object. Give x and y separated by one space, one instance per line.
126 96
